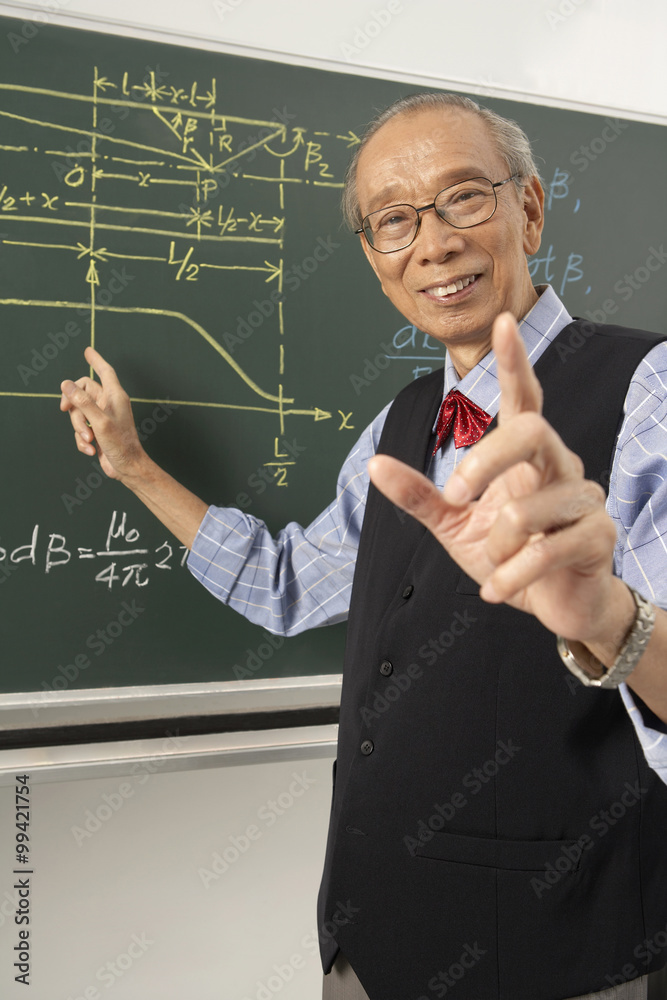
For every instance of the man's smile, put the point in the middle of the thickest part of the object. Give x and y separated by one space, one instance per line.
451 290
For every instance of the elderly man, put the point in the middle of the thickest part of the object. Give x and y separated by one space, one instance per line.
495 823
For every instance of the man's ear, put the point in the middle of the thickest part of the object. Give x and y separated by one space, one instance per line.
533 206
371 257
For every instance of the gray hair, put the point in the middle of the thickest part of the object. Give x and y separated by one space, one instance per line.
511 142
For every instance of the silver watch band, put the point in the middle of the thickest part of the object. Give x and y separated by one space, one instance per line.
629 654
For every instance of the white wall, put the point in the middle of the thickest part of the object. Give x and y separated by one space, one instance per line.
128 900
602 55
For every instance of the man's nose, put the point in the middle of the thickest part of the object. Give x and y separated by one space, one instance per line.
436 238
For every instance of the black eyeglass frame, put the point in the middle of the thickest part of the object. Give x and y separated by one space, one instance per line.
425 208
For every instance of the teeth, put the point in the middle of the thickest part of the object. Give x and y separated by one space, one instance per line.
456 286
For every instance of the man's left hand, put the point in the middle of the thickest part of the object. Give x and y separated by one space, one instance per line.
518 516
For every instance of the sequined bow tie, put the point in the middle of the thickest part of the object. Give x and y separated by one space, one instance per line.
469 420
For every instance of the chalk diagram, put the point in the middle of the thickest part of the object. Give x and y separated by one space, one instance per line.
162 180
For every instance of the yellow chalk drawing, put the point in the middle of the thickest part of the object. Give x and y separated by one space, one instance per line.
142 311
117 199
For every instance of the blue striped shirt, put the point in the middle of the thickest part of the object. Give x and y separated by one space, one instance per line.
302 578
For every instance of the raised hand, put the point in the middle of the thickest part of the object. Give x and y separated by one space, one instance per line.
102 418
517 515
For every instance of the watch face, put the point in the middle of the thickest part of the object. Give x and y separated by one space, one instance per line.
573 665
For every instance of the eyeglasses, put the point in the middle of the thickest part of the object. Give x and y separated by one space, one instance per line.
462 205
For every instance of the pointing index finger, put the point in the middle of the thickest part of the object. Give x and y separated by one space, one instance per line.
520 390
105 372
529 440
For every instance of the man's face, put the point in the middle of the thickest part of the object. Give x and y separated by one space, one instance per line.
409 161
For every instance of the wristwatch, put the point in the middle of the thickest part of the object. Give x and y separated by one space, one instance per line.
629 654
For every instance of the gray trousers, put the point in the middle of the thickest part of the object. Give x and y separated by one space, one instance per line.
342 984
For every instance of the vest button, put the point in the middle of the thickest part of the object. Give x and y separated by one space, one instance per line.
386 667
367 747
408 591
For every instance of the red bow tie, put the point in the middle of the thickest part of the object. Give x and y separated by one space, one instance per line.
469 420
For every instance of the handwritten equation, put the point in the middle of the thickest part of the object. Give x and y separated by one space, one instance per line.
124 560
554 268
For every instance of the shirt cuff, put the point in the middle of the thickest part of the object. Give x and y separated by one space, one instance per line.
653 740
220 550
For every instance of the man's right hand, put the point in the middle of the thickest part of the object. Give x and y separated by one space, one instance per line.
102 419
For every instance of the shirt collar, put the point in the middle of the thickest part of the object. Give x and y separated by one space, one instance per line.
538 328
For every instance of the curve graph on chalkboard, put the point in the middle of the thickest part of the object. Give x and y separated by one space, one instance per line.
115 212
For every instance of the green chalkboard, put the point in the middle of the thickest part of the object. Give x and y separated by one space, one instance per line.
180 209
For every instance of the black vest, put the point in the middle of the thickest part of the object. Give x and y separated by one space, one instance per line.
494 826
